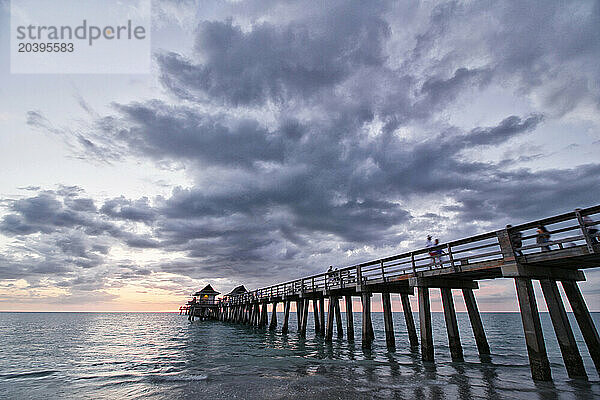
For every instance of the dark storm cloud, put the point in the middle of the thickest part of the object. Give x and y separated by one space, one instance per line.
121 208
548 48
28 267
73 236
274 62
316 135
164 131
14 224
439 91
48 212
142 243
508 127
81 204
524 195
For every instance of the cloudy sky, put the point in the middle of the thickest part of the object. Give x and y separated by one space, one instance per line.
275 138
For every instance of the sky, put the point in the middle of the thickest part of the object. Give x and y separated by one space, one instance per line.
275 138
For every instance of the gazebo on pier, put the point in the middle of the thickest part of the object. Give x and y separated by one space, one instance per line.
239 290
204 304
206 295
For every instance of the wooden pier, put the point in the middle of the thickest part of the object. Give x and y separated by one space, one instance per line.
573 248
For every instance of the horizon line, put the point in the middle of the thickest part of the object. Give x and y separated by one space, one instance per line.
279 312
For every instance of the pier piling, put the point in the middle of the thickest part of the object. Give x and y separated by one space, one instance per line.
316 316
286 316
536 348
338 317
367 325
562 328
388 321
273 324
330 312
349 319
410 321
299 305
584 320
304 319
476 324
322 315
425 324
451 325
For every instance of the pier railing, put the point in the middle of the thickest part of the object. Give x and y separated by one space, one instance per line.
204 302
566 230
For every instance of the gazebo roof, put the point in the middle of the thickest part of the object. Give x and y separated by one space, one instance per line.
238 290
207 290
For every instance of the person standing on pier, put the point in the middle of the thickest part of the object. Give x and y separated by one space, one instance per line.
543 236
437 253
429 245
336 276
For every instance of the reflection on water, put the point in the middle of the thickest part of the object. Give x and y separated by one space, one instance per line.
163 356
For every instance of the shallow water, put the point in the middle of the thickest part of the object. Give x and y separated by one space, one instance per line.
163 356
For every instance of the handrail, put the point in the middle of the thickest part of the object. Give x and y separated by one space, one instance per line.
416 260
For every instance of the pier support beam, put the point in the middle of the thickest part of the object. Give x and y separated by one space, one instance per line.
315 304
257 314
562 328
304 320
322 315
299 305
425 324
273 324
349 319
338 317
584 320
482 344
410 322
451 325
286 316
253 312
367 325
330 312
536 348
388 321
264 317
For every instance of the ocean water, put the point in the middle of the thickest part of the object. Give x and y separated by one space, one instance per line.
163 356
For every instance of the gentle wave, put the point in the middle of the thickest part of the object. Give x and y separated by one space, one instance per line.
28 375
177 378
